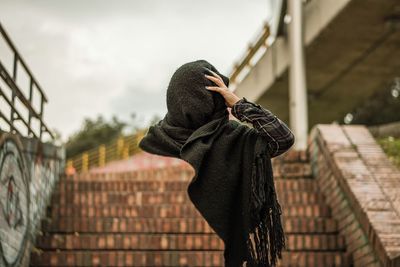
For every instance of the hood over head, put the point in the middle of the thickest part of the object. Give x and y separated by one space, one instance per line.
190 105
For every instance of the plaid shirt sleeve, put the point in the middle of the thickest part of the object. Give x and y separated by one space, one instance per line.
279 135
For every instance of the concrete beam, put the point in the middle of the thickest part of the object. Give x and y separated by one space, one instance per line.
351 51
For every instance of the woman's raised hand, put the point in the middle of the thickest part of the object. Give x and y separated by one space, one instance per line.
230 97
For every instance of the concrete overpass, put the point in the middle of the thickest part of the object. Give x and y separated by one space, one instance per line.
352 49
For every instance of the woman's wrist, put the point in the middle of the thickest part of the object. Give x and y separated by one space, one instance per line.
235 108
236 101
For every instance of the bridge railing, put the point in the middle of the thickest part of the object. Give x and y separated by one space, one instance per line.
22 110
121 148
259 44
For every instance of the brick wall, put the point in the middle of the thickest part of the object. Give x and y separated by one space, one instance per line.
28 172
363 189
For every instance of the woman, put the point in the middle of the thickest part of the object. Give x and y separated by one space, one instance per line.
233 186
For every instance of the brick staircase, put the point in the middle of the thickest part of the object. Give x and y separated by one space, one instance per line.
144 218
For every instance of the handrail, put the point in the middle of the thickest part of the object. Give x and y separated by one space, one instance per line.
20 59
250 52
16 112
118 149
16 93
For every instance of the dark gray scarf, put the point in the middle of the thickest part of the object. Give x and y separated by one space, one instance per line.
233 186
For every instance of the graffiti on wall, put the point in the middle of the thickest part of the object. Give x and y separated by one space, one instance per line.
29 171
42 172
14 202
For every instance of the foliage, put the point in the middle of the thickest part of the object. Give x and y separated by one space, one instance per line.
382 107
93 133
391 146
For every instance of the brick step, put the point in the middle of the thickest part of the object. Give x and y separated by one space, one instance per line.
130 198
281 170
292 156
131 242
168 211
176 258
122 186
299 184
314 259
167 241
171 225
178 173
291 170
152 197
129 258
126 225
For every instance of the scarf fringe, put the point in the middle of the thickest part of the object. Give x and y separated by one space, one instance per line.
265 223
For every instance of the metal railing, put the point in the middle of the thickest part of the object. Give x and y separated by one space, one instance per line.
252 49
118 149
10 84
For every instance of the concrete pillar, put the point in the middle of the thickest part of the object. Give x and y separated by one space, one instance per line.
298 110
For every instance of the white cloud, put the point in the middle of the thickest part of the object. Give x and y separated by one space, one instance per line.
102 57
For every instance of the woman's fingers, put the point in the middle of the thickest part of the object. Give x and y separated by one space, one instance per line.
216 89
216 80
217 76
230 98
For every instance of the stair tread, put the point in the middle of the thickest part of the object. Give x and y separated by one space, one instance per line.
84 185
145 218
186 210
176 258
183 225
181 241
178 197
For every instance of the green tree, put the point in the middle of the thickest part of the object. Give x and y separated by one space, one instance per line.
382 107
93 133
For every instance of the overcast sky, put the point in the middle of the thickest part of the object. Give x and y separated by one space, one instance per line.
116 57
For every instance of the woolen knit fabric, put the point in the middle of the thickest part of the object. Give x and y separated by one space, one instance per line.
232 186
